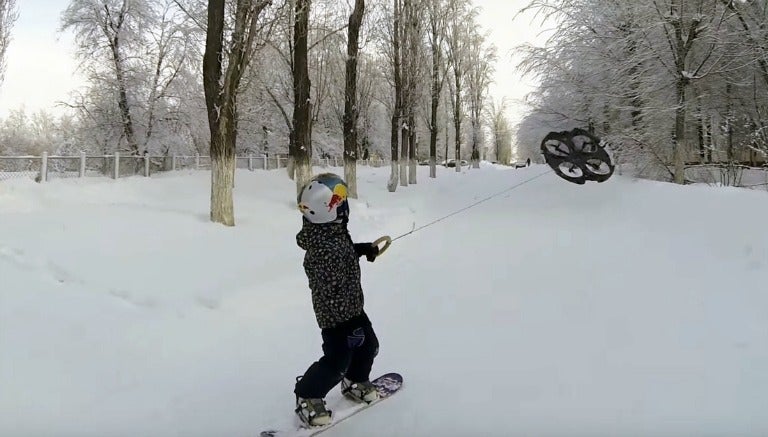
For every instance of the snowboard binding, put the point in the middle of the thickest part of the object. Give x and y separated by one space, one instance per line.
312 412
577 156
360 392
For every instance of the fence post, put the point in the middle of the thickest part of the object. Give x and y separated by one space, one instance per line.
335 161
117 165
146 165
266 163
173 163
82 164
44 167
197 162
250 161
278 162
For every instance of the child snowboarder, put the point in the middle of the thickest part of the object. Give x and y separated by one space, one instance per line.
332 265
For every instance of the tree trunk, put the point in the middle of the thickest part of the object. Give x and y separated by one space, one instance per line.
475 143
446 145
458 146
457 120
710 139
395 144
221 97
405 141
290 165
395 131
457 114
222 148
681 48
679 152
412 151
350 99
302 106
446 137
222 181
122 99
730 118
433 131
411 40
700 132
702 143
350 174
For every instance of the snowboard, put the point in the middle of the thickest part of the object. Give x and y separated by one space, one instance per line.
386 385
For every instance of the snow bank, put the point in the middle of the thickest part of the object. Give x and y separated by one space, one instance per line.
629 307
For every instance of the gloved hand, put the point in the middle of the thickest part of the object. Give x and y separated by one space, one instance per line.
370 250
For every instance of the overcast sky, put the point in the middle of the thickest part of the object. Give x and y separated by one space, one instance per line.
41 68
40 61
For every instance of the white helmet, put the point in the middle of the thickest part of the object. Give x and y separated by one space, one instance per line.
324 199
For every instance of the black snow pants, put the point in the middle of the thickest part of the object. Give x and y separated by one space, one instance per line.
348 351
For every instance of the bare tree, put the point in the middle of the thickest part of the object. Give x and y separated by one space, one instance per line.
412 63
351 109
406 64
110 25
437 15
324 66
221 83
682 29
139 56
481 58
397 111
171 47
369 81
500 130
8 16
458 39
302 107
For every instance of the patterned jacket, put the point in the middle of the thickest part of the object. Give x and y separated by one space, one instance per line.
332 266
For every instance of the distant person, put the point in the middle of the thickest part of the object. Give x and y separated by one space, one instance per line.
528 162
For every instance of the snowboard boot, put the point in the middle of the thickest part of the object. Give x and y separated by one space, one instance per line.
359 391
312 411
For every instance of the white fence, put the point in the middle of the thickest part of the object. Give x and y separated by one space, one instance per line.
45 167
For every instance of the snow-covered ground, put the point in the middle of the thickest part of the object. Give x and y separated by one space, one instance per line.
623 308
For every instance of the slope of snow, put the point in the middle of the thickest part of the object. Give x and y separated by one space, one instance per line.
627 307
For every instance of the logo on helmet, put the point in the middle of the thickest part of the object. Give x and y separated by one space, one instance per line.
339 196
324 199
